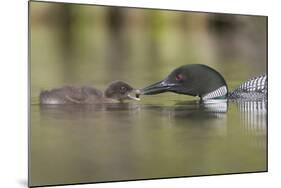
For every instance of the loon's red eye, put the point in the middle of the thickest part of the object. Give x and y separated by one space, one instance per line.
179 77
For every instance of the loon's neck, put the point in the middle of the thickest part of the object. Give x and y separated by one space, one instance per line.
219 93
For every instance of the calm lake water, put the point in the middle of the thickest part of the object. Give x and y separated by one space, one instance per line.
167 135
139 140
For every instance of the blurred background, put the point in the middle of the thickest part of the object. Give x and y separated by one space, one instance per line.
74 44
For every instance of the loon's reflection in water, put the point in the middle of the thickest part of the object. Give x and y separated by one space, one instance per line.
196 116
253 116
143 140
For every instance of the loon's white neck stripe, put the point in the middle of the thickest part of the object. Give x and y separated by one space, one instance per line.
222 91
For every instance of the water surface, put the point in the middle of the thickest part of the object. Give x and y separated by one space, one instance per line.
96 143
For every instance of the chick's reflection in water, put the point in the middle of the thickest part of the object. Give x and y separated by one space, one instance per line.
73 111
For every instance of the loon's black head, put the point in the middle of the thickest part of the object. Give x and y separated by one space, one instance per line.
194 79
120 90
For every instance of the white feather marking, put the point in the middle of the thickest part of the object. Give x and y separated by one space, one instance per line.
222 91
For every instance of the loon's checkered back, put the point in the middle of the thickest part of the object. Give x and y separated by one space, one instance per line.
256 87
258 84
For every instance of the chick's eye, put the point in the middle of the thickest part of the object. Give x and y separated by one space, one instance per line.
179 77
122 89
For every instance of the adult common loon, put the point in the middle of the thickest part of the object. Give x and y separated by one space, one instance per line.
117 90
207 83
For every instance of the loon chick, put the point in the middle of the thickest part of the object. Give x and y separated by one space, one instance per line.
205 82
117 90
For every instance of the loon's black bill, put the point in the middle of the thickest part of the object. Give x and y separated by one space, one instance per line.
157 88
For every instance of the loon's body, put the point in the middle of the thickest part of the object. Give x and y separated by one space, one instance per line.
254 88
117 90
206 83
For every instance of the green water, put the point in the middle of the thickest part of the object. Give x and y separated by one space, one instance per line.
75 144
167 135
